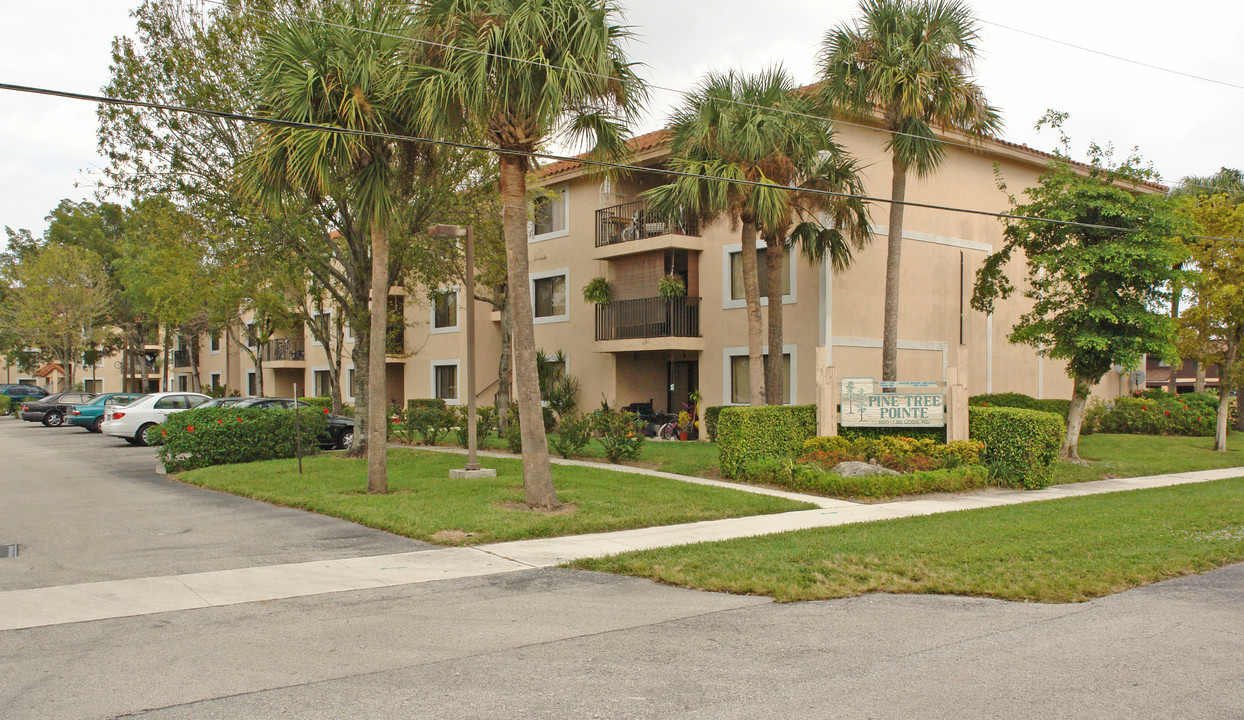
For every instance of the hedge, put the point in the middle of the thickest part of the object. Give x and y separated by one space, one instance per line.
1020 400
710 420
749 433
1020 445
937 434
803 478
4 404
1171 415
220 436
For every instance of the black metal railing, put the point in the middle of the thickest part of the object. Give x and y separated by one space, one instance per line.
636 221
648 318
279 349
181 358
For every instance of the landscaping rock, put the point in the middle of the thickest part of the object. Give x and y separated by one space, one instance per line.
861 469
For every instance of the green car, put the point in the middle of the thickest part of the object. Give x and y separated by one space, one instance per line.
91 415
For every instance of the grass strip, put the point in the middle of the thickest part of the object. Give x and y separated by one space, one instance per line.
1067 550
424 503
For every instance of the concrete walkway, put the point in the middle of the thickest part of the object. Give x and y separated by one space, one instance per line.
123 598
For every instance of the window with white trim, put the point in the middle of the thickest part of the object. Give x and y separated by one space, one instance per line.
216 381
549 213
323 383
445 381
445 310
548 295
741 381
737 291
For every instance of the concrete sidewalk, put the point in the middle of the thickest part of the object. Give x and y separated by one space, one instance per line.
123 598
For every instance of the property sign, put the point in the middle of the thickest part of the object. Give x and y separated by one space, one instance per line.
864 406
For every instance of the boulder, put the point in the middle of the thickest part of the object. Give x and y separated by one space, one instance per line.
861 469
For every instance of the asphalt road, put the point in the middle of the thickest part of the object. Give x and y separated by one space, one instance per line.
559 643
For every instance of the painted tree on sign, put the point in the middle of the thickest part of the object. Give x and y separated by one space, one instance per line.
1100 255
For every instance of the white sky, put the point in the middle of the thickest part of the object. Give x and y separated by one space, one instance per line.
1185 126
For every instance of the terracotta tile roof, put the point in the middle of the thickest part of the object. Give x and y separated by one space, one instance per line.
48 369
653 140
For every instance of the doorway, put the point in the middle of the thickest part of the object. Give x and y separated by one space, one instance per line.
683 377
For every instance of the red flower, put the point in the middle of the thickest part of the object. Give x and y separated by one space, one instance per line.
1168 412
189 428
164 432
219 421
326 411
397 421
239 419
1143 407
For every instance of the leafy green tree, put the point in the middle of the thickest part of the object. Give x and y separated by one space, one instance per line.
517 73
908 63
1096 271
62 304
1212 328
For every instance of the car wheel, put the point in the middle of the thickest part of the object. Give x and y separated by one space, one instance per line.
346 439
140 437
53 419
98 425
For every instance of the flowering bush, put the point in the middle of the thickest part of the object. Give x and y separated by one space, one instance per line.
621 434
219 436
904 454
1148 415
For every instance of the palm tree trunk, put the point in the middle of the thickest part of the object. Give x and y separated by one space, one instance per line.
894 254
751 291
1075 419
362 360
537 475
377 404
505 368
773 365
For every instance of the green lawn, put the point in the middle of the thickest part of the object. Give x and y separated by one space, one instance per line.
423 503
697 459
1138 455
1054 551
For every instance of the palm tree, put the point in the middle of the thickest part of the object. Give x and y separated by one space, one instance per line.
909 64
519 72
345 72
728 128
830 170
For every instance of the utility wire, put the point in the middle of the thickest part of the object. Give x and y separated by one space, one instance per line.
549 156
1111 56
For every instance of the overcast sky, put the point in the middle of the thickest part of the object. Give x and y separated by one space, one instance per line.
1185 126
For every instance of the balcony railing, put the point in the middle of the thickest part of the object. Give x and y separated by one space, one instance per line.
636 221
648 318
181 358
279 349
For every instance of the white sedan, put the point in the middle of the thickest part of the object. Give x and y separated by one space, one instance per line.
132 421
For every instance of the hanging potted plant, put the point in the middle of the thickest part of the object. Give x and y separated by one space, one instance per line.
598 291
671 287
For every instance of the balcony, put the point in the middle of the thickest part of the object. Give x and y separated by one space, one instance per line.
285 352
649 324
181 358
632 228
395 341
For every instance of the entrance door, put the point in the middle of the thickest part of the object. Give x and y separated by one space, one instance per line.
684 376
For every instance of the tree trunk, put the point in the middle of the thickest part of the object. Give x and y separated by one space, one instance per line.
361 356
164 354
377 403
1075 419
1239 410
505 368
774 386
751 291
195 384
334 365
894 255
1200 376
1224 392
1172 385
537 476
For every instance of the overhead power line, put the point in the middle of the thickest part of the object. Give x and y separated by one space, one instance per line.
547 156
1112 56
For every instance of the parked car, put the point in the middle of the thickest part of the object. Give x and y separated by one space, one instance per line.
51 410
340 431
224 402
91 415
132 421
21 393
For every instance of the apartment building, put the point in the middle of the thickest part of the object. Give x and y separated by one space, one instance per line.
640 347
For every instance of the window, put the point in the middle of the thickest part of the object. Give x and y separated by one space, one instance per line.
549 296
252 336
736 274
741 381
93 386
324 323
216 381
549 215
172 402
350 386
216 341
252 384
445 310
445 382
183 383
323 383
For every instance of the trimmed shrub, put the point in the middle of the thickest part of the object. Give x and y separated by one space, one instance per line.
856 433
812 479
5 403
751 433
323 402
573 434
1170 415
485 423
429 422
621 434
710 420
425 403
1020 400
903 454
1020 446
220 436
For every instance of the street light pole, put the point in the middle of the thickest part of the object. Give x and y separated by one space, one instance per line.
473 469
